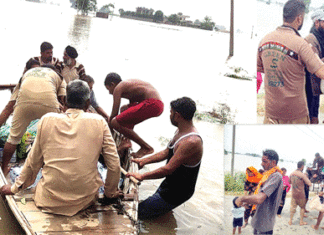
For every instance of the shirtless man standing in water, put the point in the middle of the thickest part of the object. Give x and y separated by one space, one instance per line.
144 103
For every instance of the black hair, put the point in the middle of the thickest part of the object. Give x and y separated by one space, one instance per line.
31 62
45 46
112 78
283 169
292 9
300 164
271 154
87 78
185 106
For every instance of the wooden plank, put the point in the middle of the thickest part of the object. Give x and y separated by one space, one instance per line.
14 208
7 87
93 222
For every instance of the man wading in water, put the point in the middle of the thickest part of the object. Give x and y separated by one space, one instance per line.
183 155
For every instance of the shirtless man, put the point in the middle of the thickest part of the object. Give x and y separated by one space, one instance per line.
144 103
183 155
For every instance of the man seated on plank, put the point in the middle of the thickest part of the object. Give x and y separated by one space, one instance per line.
183 155
67 147
144 103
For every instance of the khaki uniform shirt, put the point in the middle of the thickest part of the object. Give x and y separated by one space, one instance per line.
283 56
70 74
55 62
298 179
41 86
67 147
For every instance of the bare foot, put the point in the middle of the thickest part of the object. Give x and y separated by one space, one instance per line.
245 225
124 144
314 227
279 216
290 222
302 223
305 216
142 152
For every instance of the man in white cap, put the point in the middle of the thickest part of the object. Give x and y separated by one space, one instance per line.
282 56
71 69
313 83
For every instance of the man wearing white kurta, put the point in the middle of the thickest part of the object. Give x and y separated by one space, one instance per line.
67 147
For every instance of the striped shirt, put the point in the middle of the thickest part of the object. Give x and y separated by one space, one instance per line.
70 74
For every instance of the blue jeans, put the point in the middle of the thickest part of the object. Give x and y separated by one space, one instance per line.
153 207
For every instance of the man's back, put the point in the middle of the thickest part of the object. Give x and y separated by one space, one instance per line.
70 145
137 91
282 56
298 180
41 86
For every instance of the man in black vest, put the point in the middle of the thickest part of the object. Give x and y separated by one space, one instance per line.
183 155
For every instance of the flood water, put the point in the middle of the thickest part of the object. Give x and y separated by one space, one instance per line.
177 61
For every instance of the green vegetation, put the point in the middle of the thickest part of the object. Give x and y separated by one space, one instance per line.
158 16
221 115
164 141
234 183
207 24
106 8
238 73
85 6
174 19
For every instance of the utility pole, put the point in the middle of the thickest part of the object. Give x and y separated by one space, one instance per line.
231 50
233 151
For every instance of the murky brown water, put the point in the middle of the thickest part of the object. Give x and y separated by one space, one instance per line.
8 223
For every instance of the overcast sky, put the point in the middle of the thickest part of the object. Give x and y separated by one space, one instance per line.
292 142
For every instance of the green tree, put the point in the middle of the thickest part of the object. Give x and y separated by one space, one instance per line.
207 23
174 19
121 11
86 5
158 16
307 4
106 8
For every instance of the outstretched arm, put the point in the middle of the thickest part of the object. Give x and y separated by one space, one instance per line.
158 157
102 113
183 154
251 199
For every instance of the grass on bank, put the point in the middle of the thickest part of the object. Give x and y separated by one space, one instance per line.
234 184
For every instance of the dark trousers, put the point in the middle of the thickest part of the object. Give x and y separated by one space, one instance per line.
258 232
313 101
282 203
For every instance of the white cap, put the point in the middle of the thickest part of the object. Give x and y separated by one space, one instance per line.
318 15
